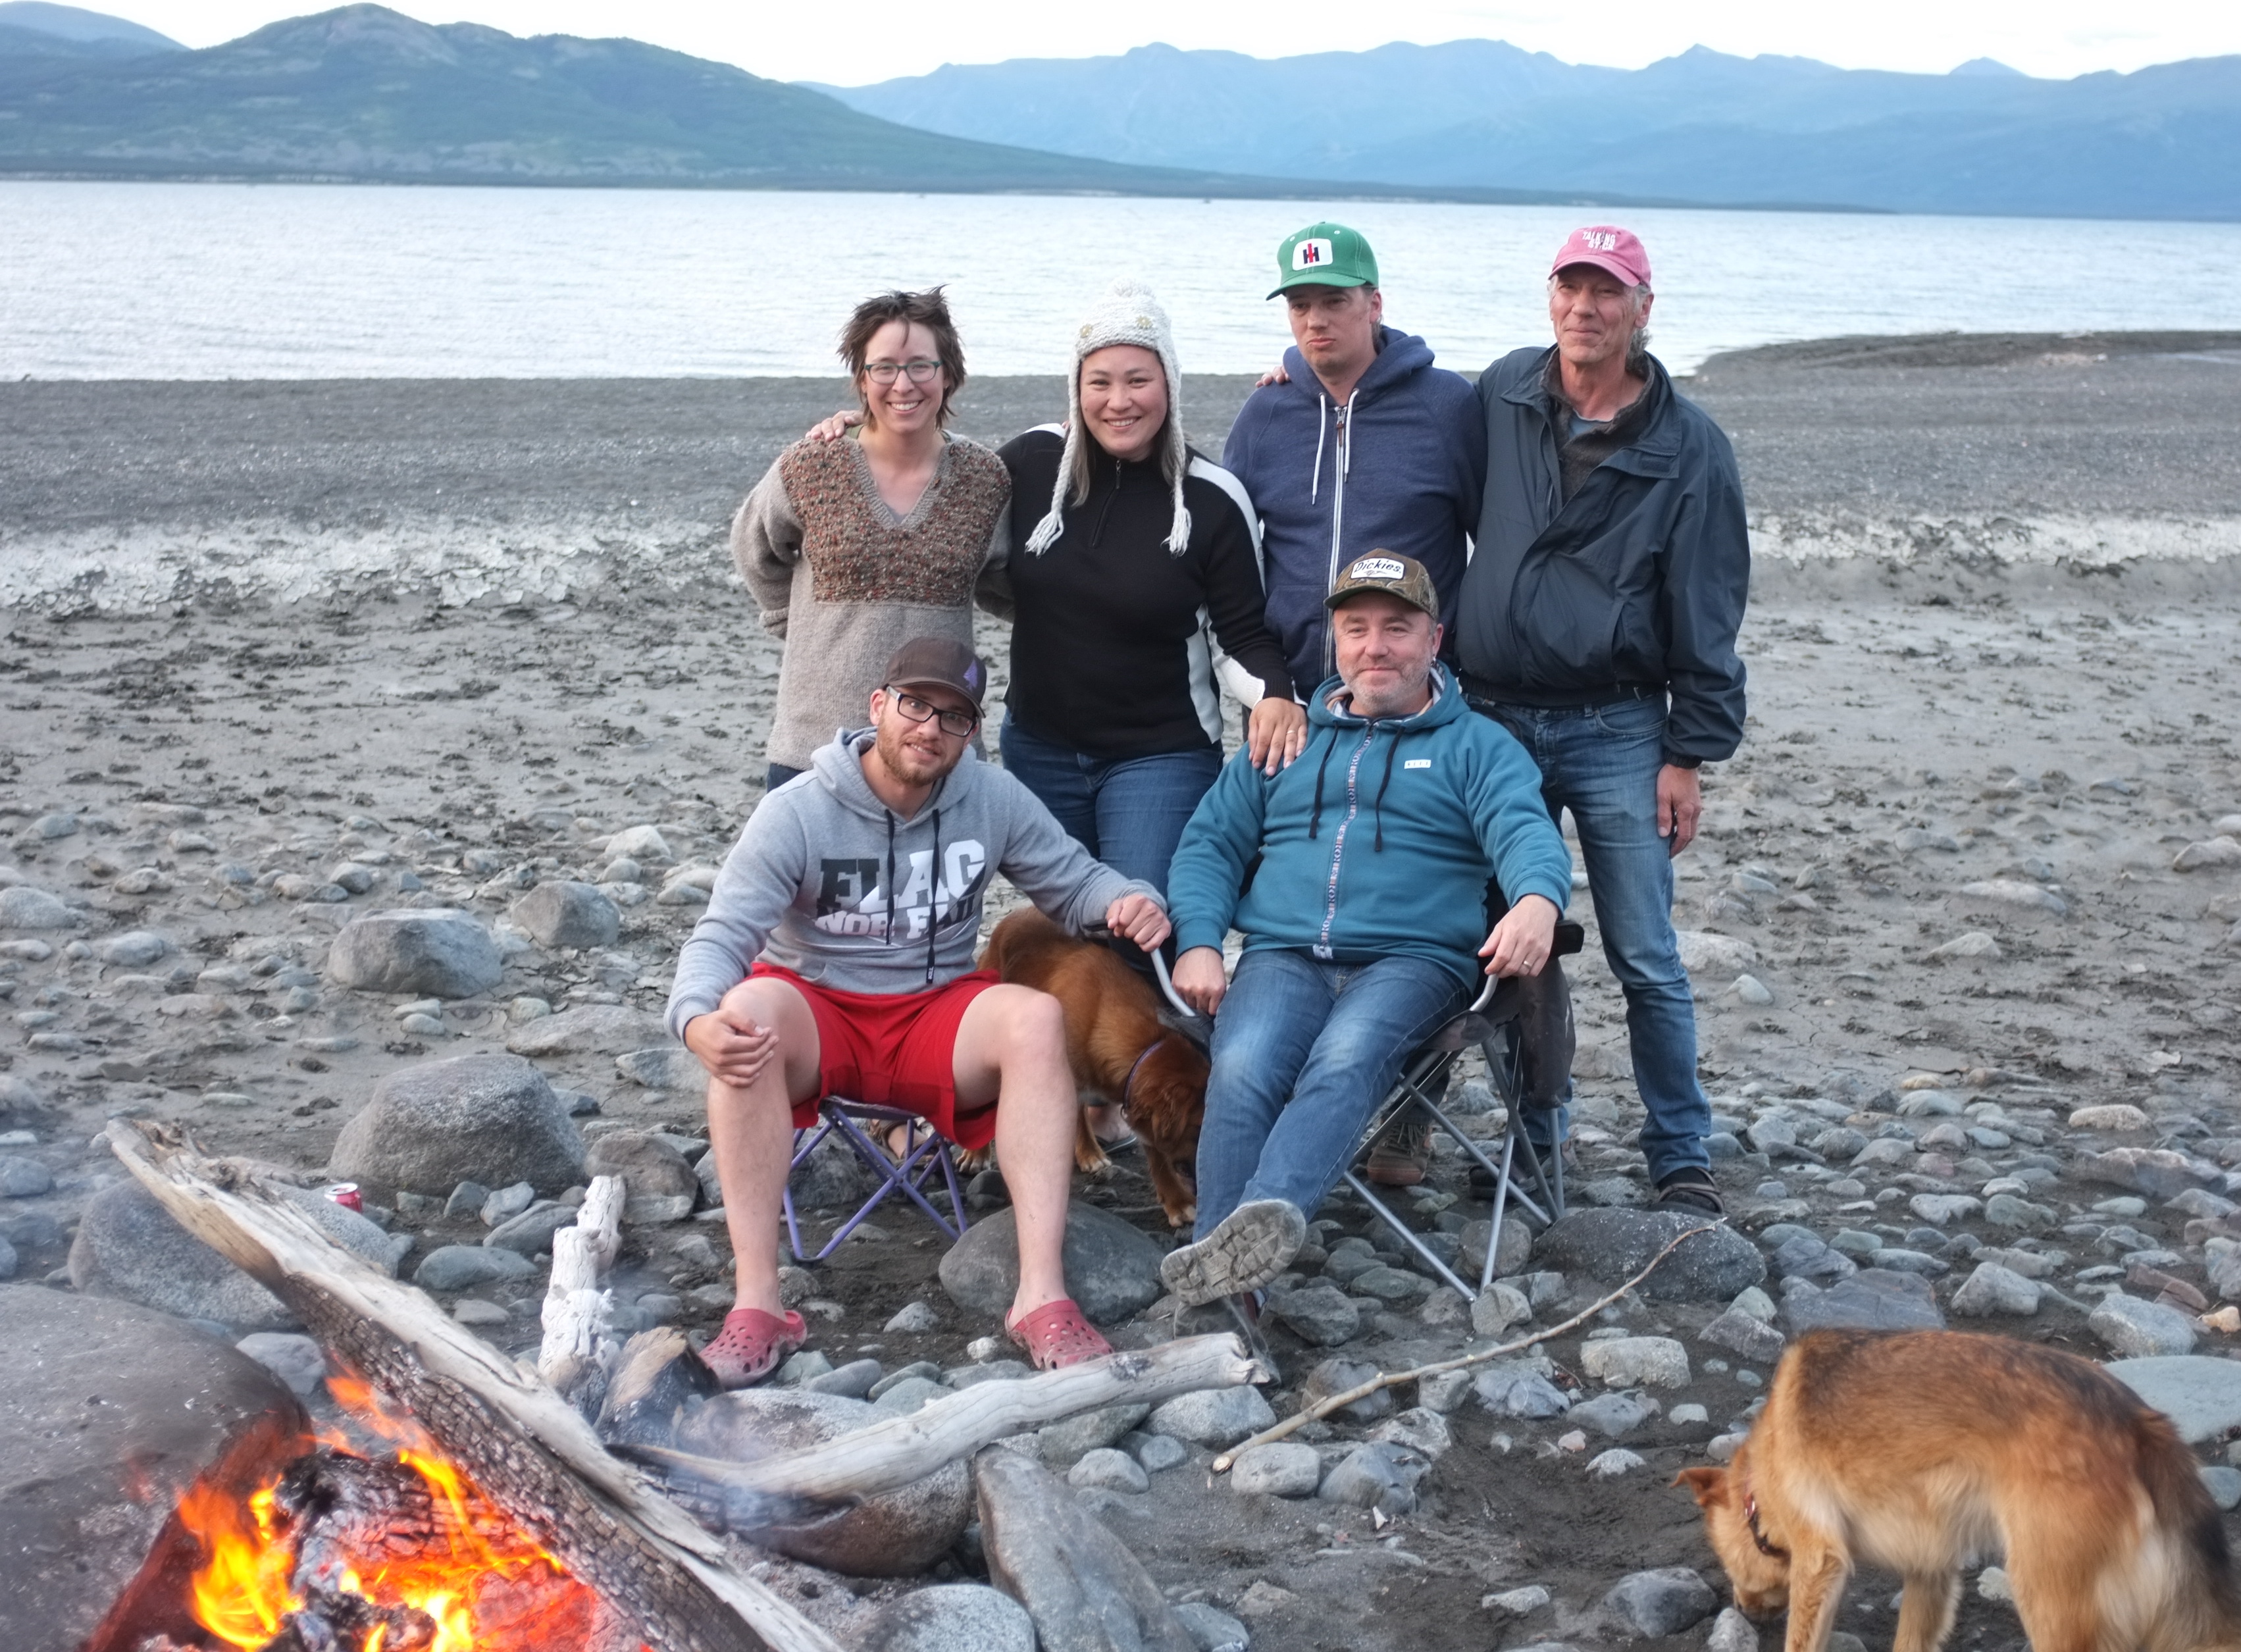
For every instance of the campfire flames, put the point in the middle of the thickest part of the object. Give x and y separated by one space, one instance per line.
348 1550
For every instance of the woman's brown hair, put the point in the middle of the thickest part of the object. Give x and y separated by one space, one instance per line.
929 310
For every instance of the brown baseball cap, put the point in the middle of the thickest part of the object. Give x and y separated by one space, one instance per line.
938 662
1390 572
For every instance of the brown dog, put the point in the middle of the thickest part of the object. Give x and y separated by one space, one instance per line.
1915 1452
1120 1050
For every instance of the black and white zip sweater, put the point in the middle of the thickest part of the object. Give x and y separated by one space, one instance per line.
1115 639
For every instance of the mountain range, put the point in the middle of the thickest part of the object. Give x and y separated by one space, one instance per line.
2163 141
363 93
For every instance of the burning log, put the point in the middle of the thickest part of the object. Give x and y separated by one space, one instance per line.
577 1345
895 1453
524 1446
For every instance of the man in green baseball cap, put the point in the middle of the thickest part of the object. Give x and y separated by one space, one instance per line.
1325 255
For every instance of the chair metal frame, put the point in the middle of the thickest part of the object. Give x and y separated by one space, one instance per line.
837 1116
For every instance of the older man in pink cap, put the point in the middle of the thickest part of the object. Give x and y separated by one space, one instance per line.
1598 624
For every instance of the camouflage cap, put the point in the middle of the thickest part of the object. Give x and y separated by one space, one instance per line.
1390 572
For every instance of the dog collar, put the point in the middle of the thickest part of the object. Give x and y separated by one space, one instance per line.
1128 1085
1773 1551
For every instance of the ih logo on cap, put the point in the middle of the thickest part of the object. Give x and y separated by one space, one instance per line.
1311 254
1377 568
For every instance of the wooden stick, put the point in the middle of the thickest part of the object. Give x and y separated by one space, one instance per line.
1393 1379
895 1453
576 1338
527 1448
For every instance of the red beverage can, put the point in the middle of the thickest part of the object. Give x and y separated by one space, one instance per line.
346 1193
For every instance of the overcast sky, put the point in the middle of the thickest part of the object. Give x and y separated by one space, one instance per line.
860 40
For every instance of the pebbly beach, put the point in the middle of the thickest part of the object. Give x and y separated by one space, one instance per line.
1964 924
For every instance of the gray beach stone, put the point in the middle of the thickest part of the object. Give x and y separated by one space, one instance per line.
127 1246
1318 1313
852 1380
461 1267
587 1029
951 1617
1337 1375
2135 1329
1213 1630
1636 1362
135 948
1993 1290
1106 1469
1418 1430
1079 1582
659 1182
296 1361
1157 1452
23 906
1280 1468
507 1203
569 915
2158 1172
1497 1307
1378 1474
23 1178
1065 1443
490 1119
1664 1600
668 1067
1213 1417
110 1412
439 950
1875 1298
1111 1269
1610 1246
1732 1632
1614 1416
895 1534
1519 1391
1745 1334
2201 1394
532 1230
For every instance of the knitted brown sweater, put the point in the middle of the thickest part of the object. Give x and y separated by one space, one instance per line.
846 582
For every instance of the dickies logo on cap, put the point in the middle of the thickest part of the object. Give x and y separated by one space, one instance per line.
1391 573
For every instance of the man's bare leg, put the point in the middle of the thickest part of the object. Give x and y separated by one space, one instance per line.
1012 1040
751 1128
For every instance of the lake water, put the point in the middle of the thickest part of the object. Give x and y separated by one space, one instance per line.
255 281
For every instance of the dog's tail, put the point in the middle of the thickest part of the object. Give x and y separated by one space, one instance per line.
2202 1607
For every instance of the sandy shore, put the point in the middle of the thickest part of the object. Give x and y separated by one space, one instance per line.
458 634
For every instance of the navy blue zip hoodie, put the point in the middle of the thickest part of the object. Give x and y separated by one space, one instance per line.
1379 839
1400 466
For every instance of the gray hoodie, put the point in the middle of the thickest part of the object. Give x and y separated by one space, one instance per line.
805 886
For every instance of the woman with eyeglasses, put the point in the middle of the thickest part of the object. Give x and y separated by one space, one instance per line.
852 548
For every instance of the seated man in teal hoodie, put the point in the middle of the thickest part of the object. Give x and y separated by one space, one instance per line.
1358 876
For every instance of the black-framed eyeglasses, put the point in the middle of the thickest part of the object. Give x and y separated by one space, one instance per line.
957 724
920 372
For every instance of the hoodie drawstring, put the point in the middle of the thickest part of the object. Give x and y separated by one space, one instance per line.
1377 809
933 892
1315 820
891 877
1322 425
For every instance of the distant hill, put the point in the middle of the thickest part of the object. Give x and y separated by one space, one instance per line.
34 35
366 93
2163 141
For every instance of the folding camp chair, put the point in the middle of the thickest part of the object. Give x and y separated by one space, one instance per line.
1497 1024
911 1176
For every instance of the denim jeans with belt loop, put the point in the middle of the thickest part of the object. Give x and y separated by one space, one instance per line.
1601 762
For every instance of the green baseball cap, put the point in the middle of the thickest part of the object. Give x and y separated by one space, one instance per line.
1325 255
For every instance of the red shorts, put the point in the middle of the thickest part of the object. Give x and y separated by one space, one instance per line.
893 1050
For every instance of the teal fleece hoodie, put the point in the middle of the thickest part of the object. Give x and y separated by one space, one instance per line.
1379 839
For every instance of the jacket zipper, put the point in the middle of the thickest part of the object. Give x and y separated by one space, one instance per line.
1341 452
1338 842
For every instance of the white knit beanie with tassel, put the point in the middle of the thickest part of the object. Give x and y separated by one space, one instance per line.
1127 314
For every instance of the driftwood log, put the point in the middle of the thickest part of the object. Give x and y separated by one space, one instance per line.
893 1453
577 1343
530 1450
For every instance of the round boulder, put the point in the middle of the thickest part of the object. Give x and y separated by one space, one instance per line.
659 1182
441 952
1111 1269
127 1246
568 914
895 1534
951 1617
23 906
490 1119
1611 1246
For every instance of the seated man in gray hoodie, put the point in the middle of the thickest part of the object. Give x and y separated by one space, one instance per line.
835 957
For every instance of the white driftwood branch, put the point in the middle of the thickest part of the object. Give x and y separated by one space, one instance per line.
529 1448
895 1453
577 1338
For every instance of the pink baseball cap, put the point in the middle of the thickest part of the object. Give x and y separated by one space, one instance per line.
1609 248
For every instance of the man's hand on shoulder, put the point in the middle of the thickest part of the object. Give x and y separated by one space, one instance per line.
835 427
1199 979
1275 733
1138 918
733 1049
1520 943
1680 805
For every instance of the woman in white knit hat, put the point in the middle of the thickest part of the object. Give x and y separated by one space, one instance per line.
1135 570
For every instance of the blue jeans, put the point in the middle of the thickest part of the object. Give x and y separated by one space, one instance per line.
1303 1052
1129 811
1600 762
